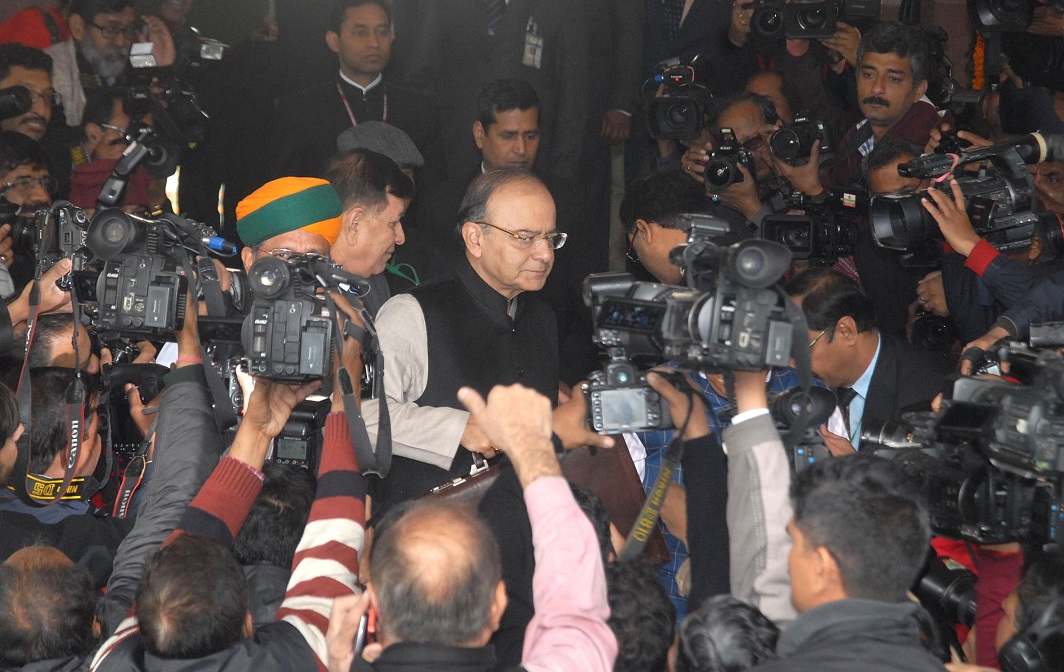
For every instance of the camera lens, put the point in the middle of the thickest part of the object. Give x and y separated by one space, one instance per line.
111 232
269 277
721 171
899 221
786 144
768 22
812 19
678 114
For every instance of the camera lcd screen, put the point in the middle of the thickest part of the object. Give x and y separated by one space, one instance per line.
630 315
289 449
622 409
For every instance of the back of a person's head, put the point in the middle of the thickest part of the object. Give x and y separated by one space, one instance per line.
641 616
14 55
1040 609
866 512
47 605
657 197
275 525
49 432
17 150
503 95
725 634
363 177
53 330
9 415
887 151
906 41
596 512
435 568
828 296
193 600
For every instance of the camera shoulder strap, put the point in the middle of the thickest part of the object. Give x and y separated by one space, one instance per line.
224 414
372 460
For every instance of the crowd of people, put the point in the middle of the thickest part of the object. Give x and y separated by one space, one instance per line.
436 497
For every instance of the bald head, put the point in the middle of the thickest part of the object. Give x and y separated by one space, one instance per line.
436 573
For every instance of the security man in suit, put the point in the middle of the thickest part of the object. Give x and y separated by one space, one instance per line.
309 121
876 376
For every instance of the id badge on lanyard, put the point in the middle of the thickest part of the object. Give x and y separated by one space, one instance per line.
533 53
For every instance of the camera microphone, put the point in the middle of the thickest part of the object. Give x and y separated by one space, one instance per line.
14 100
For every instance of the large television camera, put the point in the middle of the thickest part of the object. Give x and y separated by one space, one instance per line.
809 19
991 462
141 288
999 198
824 232
290 332
729 317
679 113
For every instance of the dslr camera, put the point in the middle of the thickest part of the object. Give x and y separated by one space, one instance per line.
809 19
620 400
794 142
289 333
679 113
722 168
999 198
141 290
51 234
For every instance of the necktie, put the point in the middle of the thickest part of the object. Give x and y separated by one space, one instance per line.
845 395
494 9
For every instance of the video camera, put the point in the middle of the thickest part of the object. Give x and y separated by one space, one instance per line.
722 167
999 198
679 113
289 333
1007 15
991 462
728 318
824 233
819 405
141 290
809 19
942 88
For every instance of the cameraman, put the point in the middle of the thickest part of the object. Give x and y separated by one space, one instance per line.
857 540
192 604
25 185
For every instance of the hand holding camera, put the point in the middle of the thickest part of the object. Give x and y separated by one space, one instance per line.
686 407
950 212
845 41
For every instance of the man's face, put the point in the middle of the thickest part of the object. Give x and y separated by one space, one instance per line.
106 40
511 142
652 244
885 88
27 186
34 122
109 142
510 266
369 237
752 131
802 569
886 180
830 357
8 455
364 43
298 241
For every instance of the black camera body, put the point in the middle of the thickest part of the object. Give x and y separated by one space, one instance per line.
991 462
999 201
51 234
141 290
794 142
809 19
722 168
619 400
809 448
680 112
728 317
817 236
288 333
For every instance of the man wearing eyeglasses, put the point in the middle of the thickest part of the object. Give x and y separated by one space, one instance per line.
32 69
482 327
25 186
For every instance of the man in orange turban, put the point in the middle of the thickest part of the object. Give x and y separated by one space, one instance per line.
300 214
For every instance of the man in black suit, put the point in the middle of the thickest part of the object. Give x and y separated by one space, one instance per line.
876 376
308 122
462 45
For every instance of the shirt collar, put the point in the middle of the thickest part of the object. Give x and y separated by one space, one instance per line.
364 89
501 310
862 384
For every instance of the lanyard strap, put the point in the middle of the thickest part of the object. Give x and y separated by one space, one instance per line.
351 114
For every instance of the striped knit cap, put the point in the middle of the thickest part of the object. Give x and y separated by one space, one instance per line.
288 204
